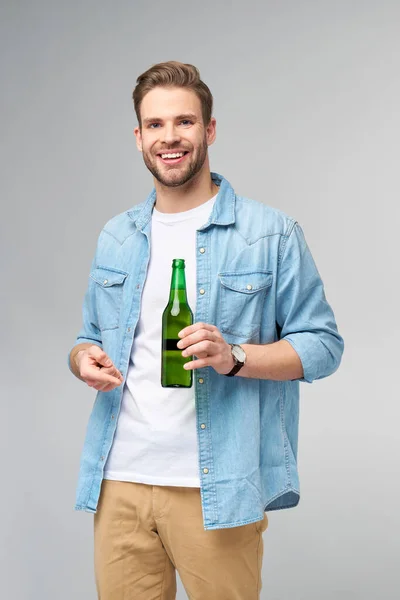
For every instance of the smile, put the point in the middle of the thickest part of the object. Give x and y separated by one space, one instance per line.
172 158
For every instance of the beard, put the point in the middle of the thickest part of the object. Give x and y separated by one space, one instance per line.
176 176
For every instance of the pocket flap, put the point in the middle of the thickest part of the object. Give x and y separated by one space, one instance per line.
246 282
107 276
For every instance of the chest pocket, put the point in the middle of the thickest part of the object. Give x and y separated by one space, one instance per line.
242 300
108 293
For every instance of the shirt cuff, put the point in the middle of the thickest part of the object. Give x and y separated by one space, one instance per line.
312 355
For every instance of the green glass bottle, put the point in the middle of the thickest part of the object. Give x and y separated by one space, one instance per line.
176 316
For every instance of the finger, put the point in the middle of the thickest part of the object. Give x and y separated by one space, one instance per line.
97 375
102 388
197 336
105 371
114 372
106 387
197 364
109 388
209 348
100 356
100 378
195 327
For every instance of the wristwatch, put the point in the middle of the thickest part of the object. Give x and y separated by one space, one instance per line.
239 356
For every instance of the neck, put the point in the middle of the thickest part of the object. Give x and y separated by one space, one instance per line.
195 192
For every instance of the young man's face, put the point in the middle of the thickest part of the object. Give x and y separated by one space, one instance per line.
172 122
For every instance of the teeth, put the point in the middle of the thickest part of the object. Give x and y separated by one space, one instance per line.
176 155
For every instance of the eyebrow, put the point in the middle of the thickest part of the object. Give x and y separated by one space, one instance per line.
190 116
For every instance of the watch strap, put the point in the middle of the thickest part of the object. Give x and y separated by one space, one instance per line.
236 367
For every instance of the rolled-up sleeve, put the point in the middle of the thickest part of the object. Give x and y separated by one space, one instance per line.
303 314
89 331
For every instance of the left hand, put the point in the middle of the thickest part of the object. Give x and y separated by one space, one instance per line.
207 344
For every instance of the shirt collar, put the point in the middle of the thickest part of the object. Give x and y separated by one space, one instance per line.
223 212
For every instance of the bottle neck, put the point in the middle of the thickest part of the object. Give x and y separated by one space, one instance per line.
178 285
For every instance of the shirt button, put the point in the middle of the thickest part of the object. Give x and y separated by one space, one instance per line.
205 470
129 329
201 380
249 287
203 426
202 291
105 281
202 250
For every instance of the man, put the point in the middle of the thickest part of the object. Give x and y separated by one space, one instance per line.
182 479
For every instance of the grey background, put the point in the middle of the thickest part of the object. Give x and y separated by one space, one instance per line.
306 102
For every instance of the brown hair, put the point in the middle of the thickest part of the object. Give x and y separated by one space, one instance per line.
173 74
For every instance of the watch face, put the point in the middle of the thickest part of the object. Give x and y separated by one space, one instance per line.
239 353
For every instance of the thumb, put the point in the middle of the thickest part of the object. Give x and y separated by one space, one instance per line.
101 357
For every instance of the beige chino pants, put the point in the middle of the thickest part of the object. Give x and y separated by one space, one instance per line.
144 533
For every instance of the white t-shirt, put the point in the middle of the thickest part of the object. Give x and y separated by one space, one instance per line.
156 439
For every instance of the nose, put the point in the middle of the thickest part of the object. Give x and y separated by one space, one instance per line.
170 134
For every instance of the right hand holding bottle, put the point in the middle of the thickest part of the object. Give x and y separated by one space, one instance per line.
97 369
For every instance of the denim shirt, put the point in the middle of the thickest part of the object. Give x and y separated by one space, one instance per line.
258 283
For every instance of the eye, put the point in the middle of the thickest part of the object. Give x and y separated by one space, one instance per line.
151 125
186 121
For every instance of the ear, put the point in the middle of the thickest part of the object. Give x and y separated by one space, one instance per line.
211 131
138 136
